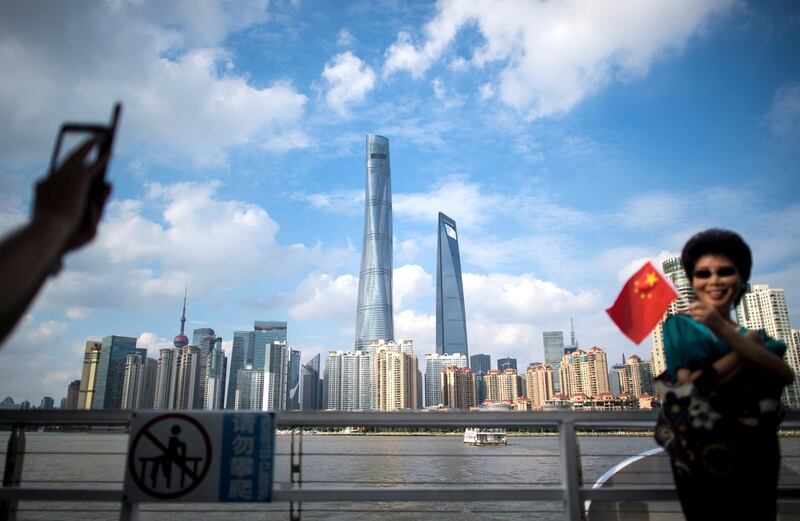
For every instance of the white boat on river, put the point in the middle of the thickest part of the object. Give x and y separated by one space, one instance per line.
484 436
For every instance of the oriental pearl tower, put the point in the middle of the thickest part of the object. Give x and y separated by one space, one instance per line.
182 340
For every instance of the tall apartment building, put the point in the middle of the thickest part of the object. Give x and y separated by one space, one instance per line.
435 363
293 386
673 272
73 392
186 376
241 348
346 373
249 389
637 377
584 372
276 374
540 384
451 323
765 308
501 386
374 318
138 382
110 368
215 377
165 385
458 388
553 342
395 380
91 356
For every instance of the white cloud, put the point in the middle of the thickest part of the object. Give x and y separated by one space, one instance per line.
324 297
348 80
77 312
553 55
152 342
486 91
783 117
183 98
346 202
410 282
345 39
448 98
419 327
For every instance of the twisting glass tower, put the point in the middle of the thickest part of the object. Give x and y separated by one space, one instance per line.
451 325
374 309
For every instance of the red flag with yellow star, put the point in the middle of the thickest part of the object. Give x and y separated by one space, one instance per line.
642 302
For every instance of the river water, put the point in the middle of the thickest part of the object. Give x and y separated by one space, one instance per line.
91 460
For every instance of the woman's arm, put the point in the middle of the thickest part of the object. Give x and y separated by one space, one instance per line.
748 347
726 367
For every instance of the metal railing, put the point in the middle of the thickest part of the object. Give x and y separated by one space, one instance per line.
570 490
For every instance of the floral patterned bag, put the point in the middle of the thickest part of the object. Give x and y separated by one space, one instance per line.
700 424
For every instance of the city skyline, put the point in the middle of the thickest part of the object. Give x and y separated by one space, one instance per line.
565 161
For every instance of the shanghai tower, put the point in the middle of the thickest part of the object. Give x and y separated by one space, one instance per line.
451 324
374 319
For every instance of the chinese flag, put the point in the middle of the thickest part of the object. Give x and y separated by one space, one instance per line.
641 303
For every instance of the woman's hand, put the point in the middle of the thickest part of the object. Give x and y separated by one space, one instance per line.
708 316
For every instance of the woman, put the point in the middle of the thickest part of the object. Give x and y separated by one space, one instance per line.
728 465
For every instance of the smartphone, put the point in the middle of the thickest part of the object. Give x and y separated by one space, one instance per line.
71 135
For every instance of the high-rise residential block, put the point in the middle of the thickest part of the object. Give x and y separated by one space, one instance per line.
506 363
216 376
540 386
276 375
293 385
187 377
73 392
762 307
374 318
637 377
458 388
249 389
311 385
165 384
553 342
47 403
395 379
91 357
584 372
110 368
501 386
138 382
435 363
451 322
673 272
241 355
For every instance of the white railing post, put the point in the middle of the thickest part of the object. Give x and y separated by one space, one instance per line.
570 470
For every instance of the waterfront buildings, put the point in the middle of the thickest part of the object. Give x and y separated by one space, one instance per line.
276 372
615 376
265 332
501 386
73 392
165 392
553 342
540 384
451 324
506 363
215 377
584 372
395 379
47 403
674 272
435 363
762 307
374 319
249 389
480 363
241 347
457 388
138 382
637 377
110 368
186 378
311 385
91 356
293 386
346 373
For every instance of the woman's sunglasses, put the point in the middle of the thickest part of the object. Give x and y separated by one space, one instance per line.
725 271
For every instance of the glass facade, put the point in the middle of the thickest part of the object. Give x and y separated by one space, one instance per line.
264 334
241 348
553 353
374 320
111 369
506 363
293 399
451 325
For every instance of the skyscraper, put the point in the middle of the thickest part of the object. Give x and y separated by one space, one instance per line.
265 332
395 379
186 378
637 377
540 384
584 372
451 324
480 363
138 382
506 363
765 308
293 385
553 342
348 382
435 363
311 385
249 389
110 368
458 388
73 392
275 377
216 376
241 355
673 271
165 384
374 320
91 356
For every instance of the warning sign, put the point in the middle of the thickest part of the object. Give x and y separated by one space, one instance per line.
206 456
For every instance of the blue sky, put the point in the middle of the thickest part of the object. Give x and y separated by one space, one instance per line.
569 140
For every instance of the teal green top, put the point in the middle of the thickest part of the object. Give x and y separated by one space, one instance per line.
688 342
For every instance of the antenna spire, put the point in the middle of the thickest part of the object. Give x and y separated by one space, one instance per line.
183 315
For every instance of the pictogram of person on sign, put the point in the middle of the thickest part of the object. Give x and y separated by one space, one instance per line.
175 453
